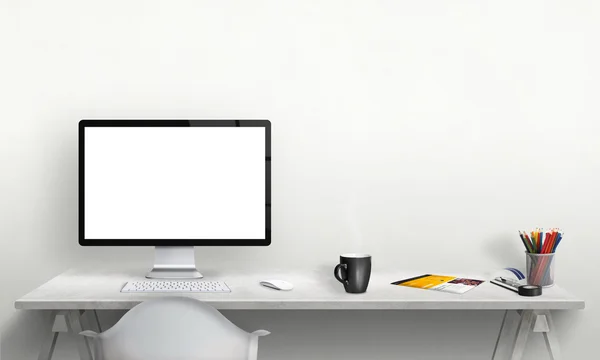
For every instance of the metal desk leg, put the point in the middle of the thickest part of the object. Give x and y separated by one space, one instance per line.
74 326
49 343
501 334
97 320
546 326
63 322
537 321
522 334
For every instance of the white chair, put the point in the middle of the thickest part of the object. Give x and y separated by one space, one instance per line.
175 328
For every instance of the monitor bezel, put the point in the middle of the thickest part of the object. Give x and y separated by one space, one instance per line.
174 123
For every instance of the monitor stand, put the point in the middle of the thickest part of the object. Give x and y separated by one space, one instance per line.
174 262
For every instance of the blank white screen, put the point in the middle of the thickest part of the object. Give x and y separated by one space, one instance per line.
174 183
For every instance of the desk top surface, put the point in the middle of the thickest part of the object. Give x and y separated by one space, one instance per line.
313 290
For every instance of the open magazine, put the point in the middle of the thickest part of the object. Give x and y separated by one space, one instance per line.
450 284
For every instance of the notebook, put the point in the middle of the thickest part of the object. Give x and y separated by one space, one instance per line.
449 284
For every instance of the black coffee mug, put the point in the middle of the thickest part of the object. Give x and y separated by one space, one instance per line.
354 271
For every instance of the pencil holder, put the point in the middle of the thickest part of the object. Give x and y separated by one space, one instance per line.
540 269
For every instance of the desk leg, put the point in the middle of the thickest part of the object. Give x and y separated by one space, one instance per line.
90 321
95 313
522 334
501 334
74 326
550 335
49 343
537 321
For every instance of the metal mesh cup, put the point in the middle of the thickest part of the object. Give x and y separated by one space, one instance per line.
540 269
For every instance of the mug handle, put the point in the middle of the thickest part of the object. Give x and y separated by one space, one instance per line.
338 274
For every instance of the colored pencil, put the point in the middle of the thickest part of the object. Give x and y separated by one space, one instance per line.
529 240
541 242
559 238
526 243
547 243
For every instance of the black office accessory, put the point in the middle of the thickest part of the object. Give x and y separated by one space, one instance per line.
523 290
354 271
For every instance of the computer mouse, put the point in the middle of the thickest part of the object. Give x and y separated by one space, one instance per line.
277 284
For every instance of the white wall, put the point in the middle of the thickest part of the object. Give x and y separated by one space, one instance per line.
426 133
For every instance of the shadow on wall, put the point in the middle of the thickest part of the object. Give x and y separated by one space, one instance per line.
21 332
25 331
300 335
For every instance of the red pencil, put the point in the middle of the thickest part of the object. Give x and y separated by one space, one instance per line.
546 246
539 270
554 236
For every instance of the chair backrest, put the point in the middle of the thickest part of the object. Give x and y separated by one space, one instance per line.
175 328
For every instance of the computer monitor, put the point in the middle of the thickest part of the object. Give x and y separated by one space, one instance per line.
174 184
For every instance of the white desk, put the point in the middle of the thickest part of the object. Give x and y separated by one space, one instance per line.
75 291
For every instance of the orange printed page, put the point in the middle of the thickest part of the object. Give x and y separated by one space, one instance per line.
426 281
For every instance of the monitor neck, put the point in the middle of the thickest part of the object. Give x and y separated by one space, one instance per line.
174 262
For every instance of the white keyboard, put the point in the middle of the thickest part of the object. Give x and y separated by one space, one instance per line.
174 286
